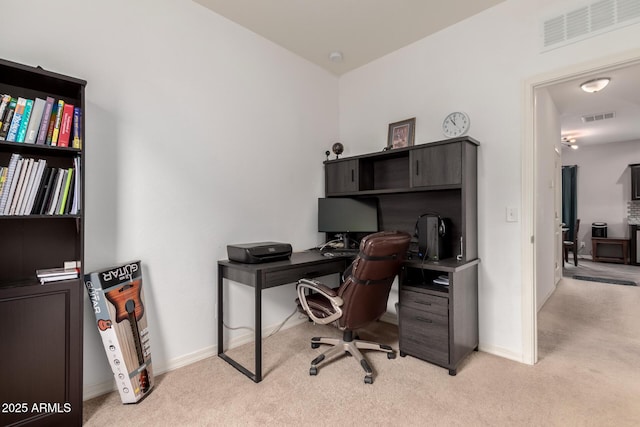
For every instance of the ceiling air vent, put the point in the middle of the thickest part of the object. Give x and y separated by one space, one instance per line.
596 117
588 21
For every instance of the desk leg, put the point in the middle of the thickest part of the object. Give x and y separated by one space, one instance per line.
258 331
220 312
257 377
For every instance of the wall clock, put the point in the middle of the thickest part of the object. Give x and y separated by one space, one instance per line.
456 124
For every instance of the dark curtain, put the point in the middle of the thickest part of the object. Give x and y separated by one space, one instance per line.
569 199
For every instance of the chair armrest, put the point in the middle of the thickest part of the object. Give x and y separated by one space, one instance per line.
333 298
318 287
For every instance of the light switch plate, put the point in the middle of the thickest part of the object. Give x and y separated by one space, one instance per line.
512 214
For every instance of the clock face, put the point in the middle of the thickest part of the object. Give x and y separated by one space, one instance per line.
455 124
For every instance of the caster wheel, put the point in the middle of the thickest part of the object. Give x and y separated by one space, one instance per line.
391 355
368 380
403 354
313 371
315 345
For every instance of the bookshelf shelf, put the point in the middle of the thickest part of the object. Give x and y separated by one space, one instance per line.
41 325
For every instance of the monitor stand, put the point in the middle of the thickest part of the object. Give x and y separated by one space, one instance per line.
344 237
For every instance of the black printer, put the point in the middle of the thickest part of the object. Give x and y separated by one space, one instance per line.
254 253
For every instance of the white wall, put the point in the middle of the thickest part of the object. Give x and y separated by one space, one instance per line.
199 133
480 66
604 187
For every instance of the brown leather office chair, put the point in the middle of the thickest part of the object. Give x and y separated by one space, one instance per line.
358 301
572 245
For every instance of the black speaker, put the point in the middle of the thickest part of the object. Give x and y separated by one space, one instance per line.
432 232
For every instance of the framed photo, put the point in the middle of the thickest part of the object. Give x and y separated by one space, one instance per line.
401 134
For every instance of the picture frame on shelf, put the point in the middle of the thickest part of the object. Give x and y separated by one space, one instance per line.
401 134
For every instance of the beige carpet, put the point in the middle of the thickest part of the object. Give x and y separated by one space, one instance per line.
588 375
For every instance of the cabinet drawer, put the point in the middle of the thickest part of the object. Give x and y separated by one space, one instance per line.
425 302
424 335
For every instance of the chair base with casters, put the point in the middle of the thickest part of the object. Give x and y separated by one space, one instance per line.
348 346
360 299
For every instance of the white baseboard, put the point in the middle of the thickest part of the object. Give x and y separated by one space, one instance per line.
94 390
501 352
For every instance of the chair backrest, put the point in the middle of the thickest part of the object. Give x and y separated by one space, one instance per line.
575 232
366 290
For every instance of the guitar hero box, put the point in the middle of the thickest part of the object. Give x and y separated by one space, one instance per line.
117 299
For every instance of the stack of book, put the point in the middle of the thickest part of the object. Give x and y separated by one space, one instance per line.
40 121
441 280
29 187
71 270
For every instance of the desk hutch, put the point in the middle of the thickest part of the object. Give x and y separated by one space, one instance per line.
437 323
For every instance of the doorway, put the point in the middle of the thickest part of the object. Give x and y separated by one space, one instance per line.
534 227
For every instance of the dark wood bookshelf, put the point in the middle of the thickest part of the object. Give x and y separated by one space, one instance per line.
41 325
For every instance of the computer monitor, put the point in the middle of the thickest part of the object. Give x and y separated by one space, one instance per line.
346 215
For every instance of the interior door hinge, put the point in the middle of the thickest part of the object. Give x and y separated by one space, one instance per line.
532 240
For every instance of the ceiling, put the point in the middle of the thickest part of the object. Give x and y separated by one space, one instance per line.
362 30
621 97
365 30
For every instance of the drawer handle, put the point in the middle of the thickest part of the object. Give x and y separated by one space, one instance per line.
423 319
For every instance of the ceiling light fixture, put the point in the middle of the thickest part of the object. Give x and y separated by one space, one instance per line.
336 56
595 85
570 142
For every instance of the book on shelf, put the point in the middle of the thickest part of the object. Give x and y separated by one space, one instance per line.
35 120
11 169
77 128
52 123
8 118
75 206
56 123
28 181
44 124
43 203
47 275
37 184
65 191
3 177
4 104
17 118
55 192
42 188
72 187
65 125
24 122
22 186
11 189
18 187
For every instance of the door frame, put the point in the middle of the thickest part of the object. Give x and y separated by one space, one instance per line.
528 191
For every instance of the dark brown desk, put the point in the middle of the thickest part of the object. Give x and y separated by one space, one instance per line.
306 264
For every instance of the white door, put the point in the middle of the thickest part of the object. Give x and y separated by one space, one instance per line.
558 244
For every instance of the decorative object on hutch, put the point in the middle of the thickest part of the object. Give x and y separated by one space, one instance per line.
402 134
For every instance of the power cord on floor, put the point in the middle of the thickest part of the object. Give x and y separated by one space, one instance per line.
276 330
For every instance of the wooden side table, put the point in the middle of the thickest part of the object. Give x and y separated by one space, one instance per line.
610 249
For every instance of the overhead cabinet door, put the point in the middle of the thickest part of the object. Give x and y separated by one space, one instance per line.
341 177
437 165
